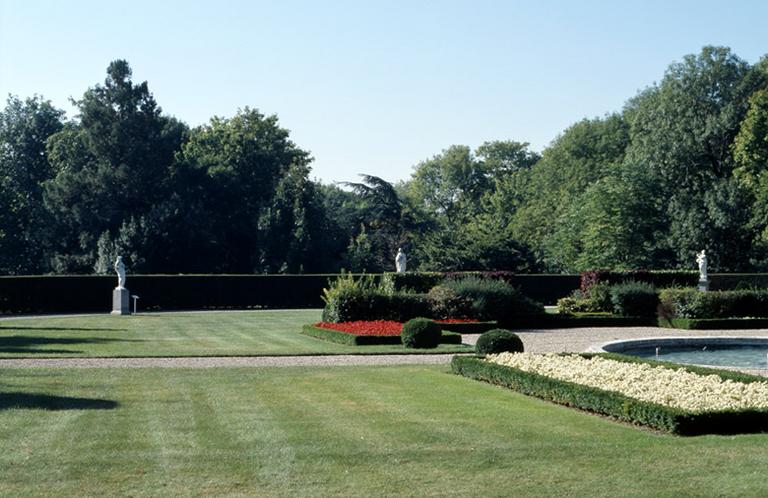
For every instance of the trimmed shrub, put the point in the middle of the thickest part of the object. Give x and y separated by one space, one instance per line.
494 299
421 333
692 303
498 341
635 299
445 303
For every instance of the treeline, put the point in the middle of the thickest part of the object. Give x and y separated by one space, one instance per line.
683 167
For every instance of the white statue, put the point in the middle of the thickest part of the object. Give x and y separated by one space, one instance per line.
400 260
120 269
701 259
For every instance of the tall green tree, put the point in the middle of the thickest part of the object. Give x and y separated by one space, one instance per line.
383 229
113 165
234 168
682 134
25 126
534 203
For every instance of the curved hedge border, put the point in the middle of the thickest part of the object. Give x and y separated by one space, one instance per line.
468 327
617 405
367 340
714 323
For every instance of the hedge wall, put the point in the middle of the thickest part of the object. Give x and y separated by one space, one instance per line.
79 294
543 288
614 404
659 278
93 294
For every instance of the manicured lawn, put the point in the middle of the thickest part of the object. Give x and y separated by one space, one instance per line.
348 431
178 334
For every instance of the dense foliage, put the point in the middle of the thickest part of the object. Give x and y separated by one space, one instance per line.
682 167
690 303
498 341
421 333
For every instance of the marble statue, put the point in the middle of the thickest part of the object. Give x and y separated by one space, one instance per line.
701 259
120 269
400 261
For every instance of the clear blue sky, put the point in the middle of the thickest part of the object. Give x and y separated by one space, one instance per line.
373 87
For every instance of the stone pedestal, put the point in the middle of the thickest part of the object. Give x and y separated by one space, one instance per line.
120 298
703 285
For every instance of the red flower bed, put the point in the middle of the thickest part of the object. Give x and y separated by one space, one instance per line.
376 327
365 327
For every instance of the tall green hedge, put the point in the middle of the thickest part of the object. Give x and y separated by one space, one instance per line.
691 303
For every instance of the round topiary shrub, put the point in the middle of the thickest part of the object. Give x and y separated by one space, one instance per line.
421 333
498 341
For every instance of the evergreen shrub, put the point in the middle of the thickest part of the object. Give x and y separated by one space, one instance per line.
445 303
421 333
494 299
498 341
635 299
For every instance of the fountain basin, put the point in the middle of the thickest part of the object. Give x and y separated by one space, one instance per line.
734 352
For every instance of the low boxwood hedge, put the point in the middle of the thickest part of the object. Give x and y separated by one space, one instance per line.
714 323
367 340
564 321
468 327
617 405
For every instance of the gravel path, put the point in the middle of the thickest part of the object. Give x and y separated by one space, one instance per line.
536 341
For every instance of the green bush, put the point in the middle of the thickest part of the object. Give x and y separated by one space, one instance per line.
617 405
597 299
417 282
445 303
493 299
635 299
692 303
348 299
498 341
421 333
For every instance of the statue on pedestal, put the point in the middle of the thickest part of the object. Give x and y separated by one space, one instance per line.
120 294
400 260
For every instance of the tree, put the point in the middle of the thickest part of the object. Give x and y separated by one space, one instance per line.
25 126
384 227
533 202
233 169
682 133
112 166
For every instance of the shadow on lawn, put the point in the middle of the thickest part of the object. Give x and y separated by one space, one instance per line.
77 329
26 343
9 401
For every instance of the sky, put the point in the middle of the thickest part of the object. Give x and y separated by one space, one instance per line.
367 86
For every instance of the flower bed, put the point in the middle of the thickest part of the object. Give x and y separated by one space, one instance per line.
667 397
365 327
369 332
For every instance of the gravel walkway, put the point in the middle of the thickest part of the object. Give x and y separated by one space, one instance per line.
536 341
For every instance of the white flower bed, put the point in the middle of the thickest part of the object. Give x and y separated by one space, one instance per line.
674 388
